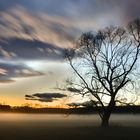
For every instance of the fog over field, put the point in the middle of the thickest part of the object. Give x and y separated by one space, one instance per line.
71 127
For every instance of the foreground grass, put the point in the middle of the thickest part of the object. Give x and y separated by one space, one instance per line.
41 131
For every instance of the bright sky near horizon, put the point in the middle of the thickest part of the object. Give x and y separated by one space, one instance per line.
33 35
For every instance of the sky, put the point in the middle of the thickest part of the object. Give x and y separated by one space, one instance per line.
33 36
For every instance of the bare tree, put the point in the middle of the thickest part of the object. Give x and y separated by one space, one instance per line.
105 64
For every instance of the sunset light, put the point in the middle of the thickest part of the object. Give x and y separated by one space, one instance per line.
69 69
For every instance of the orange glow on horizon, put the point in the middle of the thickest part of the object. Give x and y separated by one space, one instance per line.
21 102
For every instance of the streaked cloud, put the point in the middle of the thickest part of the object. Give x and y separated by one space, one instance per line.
19 23
42 20
8 72
6 54
16 49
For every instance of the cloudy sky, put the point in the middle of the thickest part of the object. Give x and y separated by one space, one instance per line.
33 36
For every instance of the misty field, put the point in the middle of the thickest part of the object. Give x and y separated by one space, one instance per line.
63 127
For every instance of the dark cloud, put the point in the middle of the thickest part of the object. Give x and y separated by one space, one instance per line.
73 90
82 104
29 49
74 104
45 97
10 71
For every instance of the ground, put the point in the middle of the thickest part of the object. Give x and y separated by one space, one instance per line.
58 127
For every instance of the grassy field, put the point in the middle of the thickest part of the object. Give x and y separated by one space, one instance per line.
57 129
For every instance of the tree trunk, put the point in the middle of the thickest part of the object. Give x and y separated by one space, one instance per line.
107 113
105 120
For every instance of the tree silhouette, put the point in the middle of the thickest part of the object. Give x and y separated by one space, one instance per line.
105 64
